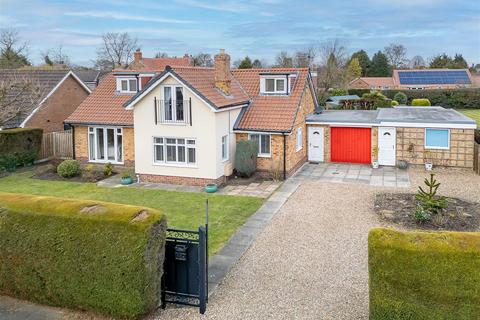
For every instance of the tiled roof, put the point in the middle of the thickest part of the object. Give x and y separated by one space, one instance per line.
270 113
46 80
378 81
159 64
203 81
103 106
87 75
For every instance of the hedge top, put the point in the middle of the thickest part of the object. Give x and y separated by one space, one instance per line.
445 241
18 130
83 209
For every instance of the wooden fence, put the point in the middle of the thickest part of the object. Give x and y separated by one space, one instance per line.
476 158
56 145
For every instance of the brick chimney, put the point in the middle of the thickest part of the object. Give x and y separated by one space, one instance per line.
137 55
222 72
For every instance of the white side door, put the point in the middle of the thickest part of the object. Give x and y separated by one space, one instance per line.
316 144
387 146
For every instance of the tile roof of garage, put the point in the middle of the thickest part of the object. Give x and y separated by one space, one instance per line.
270 113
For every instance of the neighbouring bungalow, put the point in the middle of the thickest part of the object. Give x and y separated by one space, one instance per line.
419 79
58 92
388 135
176 123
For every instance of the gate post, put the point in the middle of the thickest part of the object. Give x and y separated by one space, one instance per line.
202 277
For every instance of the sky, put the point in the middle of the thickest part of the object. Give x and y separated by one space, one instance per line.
259 29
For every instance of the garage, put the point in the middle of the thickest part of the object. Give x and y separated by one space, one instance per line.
350 144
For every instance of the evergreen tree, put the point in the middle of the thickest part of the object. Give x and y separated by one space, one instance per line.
459 62
380 66
363 60
353 69
246 63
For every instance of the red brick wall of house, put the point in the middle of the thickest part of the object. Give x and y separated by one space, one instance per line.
58 106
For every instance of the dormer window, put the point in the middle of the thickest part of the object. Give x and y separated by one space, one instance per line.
127 85
273 84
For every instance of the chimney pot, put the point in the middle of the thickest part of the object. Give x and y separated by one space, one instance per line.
222 72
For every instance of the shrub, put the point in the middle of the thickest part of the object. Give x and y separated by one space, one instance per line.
401 98
246 157
108 169
89 255
68 168
424 275
338 92
19 146
421 102
429 203
394 103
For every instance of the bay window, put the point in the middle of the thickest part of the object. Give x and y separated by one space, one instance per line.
105 144
174 151
263 143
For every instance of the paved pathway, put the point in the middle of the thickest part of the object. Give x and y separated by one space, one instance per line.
354 173
261 189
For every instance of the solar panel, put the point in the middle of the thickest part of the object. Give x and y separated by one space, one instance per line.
434 77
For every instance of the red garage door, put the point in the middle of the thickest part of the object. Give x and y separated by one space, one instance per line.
351 145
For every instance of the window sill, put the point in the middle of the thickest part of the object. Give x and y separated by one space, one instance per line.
174 165
299 149
105 162
436 148
264 155
173 123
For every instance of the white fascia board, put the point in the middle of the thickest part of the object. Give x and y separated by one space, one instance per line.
232 108
70 73
428 125
153 86
342 124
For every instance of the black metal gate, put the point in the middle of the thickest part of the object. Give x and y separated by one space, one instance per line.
185 277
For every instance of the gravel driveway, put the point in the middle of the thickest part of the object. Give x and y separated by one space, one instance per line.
311 260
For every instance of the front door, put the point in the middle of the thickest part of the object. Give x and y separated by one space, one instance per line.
315 144
387 146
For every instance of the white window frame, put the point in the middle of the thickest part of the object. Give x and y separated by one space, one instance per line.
117 131
434 147
260 154
188 145
173 92
129 89
299 141
263 85
225 148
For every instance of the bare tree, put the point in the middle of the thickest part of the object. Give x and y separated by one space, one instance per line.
13 52
305 58
19 95
161 55
396 54
116 50
332 71
417 62
56 56
202 60
283 60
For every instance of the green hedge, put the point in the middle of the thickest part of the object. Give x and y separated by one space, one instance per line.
448 98
424 275
19 147
87 255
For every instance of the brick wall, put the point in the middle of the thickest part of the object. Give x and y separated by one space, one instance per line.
180 180
273 165
81 145
58 106
411 141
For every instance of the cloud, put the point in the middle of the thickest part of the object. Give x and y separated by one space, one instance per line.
124 16
228 6
9 22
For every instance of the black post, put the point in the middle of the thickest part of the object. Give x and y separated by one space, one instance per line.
155 108
284 158
202 269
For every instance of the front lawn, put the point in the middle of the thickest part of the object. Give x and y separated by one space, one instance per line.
183 210
472 113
